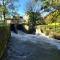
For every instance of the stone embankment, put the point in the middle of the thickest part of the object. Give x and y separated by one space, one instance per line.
4 37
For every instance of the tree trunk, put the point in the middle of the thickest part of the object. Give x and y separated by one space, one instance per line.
4 16
32 28
32 24
4 10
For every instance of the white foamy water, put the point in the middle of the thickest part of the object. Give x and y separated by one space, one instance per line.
36 38
24 46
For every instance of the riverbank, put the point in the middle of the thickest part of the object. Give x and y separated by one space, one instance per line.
4 37
49 30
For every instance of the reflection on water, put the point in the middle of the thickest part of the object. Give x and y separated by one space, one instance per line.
30 47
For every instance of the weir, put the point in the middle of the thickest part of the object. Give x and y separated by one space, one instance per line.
16 27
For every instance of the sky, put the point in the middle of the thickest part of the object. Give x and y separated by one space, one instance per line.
22 7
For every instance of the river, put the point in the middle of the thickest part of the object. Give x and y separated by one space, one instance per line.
24 46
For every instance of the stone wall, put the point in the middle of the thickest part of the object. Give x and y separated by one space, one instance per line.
4 37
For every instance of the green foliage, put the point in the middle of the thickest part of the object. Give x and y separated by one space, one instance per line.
52 2
3 9
55 3
53 17
35 18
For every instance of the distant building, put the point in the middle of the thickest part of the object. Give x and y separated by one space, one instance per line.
15 19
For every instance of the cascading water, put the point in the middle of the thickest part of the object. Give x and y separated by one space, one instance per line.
24 46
